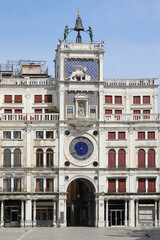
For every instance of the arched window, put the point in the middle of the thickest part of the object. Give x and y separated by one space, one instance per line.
141 158
111 158
121 158
151 158
49 157
39 158
7 158
17 157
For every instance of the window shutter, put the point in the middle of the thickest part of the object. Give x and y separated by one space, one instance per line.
118 99
108 99
18 111
141 135
151 135
111 135
141 185
111 185
122 185
108 111
38 98
136 99
146 112
118 111
151 185
7 110
8 98
48 98
146 99
38 110
121 135
121 158
18 99
111 158
141 158
151 158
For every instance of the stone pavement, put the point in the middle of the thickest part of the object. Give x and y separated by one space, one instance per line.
79 233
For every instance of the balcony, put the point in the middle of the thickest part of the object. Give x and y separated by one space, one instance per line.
31 117
131 82
131 117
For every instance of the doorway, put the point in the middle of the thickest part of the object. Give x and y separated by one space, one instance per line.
81 203
116 217
12 214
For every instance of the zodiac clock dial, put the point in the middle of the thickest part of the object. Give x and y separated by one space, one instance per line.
81 148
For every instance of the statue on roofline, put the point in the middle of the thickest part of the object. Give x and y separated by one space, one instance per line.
90 32
67 30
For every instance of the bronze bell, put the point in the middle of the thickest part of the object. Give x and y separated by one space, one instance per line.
79 26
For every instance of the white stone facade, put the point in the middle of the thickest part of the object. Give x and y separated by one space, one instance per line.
79 150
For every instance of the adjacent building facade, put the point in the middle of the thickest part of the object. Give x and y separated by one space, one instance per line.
77 149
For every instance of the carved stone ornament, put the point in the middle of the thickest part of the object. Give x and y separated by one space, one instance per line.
79 74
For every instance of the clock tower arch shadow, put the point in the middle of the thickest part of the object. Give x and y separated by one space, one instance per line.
81 203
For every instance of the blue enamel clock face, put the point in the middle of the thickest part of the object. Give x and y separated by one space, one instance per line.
81 148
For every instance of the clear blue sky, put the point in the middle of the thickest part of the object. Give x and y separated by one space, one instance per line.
30 29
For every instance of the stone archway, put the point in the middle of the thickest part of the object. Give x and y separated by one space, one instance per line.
81 203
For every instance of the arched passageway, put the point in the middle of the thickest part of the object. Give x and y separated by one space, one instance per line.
81 203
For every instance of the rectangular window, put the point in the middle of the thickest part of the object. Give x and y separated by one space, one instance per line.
38 98
146 99
39 185
122 185
137 114
152 185
121 135
118 99
17 185
118 112
111 185
49 185
141 135
39 134
17 134
146 114
38 116
7 185
8 98
108 111
151 135
7 135
48 98
49 134
111 135
141 185
136 99
108 99
18 99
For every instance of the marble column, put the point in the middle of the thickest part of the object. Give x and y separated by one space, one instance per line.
34 213
137 222
106 213
28 222
101 211
125 221
22 213
131 213
155 214
54 214
2 213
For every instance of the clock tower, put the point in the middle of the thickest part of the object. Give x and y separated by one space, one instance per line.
79 75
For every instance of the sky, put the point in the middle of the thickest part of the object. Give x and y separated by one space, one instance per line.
30 29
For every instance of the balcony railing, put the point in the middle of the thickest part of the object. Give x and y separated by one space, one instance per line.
30 117
131 117
131 82
17 190
44 190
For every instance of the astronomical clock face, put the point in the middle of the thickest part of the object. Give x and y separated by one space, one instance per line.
81 150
